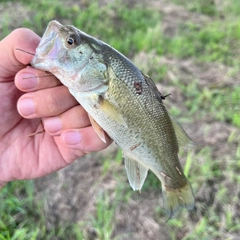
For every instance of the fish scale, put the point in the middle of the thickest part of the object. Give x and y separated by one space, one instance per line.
123 102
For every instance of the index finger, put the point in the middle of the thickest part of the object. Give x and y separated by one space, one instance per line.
13 59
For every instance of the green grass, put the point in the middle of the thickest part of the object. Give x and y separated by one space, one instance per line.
219 103
18 213
131 31
21 217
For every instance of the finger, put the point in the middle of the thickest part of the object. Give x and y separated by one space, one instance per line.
83 140
74 118
45 103
15 60
31 79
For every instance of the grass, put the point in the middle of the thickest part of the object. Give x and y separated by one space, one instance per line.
131 31
18 212
219 103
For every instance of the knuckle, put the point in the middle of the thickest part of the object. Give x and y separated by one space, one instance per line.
52 104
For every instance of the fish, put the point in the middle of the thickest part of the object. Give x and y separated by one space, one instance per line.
124 103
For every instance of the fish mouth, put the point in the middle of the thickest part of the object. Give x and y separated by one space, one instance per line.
49 46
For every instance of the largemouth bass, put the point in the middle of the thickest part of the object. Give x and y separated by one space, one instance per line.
124 103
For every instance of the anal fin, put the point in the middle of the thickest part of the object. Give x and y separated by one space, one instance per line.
136 172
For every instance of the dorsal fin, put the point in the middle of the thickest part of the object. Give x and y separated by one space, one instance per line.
153 87
182 137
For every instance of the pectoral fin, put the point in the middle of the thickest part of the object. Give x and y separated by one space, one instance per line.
111 111
100 132
182 137
136 172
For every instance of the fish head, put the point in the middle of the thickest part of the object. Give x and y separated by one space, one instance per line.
72 56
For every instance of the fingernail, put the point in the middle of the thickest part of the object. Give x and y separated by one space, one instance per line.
72 137
26 107
53 124
28 82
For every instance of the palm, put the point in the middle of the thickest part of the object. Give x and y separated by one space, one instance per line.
33 156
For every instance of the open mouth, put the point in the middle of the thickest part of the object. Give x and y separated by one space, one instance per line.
49 46
50 42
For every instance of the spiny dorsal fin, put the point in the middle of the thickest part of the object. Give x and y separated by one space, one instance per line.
136 172
153 87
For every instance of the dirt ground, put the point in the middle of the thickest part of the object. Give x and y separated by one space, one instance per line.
72 192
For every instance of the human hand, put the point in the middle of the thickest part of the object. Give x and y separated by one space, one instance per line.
23 103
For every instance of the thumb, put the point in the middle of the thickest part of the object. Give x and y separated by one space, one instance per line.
12 59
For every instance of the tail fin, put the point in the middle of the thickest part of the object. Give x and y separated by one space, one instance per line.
176 198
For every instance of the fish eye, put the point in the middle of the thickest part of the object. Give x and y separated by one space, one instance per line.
73 40
70 41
